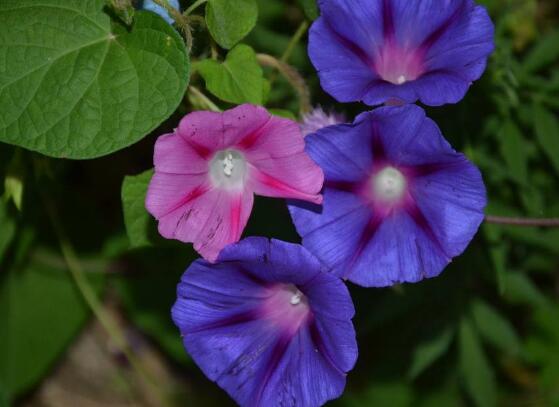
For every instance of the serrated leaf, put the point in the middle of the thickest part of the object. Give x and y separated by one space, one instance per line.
544 53
429 351
139 224
547 133
230 21
513 150
75 85
310 8
477 376
239 79
40 312
494 328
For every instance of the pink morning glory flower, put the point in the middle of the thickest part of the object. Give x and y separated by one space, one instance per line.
208 170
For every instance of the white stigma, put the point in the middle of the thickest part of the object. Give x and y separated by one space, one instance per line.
228 164
296 298
401 80
389 184
228 170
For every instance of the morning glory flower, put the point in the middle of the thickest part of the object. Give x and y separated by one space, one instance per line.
380 50
399 202
208 170
318 118
152 6
268 324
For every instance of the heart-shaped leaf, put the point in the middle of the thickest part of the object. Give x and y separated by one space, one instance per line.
230 21
74 84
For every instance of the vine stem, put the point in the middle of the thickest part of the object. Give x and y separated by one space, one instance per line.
503 220
209 104
293 77
194 6
294 41
90 297
180 19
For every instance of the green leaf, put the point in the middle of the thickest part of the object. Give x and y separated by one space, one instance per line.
494 328
230 21
513 150
544 53
75 85
310 8
391 394
547 133
7 230
474 368
237 80
286 114
521 290
40 312
139 224
429 351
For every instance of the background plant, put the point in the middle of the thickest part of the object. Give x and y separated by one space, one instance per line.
99 81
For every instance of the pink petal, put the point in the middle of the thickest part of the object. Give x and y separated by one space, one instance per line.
295 177
167 192
211 221
173 154
244 124
203 131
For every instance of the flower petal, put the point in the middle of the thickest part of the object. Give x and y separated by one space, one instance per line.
203 131
174 155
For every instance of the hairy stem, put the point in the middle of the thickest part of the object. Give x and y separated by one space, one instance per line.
180 19
503 220
293 77
197 94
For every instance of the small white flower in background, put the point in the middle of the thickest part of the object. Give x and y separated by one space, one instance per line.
318 118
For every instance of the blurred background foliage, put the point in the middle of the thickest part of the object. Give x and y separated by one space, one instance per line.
485 333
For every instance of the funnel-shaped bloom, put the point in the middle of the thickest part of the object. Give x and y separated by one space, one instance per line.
267 324
399 202
152 6
378 50
208 170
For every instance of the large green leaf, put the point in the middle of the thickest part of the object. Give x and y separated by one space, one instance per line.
237 80
40 312
230 21
494 328
547 131
140 225
75 85
476 372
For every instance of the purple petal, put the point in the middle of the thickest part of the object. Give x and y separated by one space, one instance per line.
223 314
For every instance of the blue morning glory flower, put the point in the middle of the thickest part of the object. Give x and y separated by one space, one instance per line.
377 51
150 5
268 324
399 202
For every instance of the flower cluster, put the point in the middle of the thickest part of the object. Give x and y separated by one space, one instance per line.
380 201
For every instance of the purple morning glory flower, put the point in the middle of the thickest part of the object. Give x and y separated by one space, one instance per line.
379 50
399 202
268 324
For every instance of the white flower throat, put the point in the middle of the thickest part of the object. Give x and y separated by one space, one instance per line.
228 169
389 184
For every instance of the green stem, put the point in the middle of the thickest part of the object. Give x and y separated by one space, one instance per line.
293 77
90 297
294 41
198 94
180 19
541 222
194 6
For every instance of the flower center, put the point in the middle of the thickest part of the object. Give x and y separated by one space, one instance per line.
228 169
397 65
286 308
389 185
